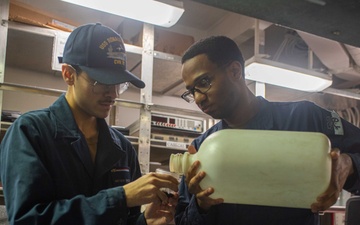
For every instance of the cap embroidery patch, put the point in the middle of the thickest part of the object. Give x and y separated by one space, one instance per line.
115 50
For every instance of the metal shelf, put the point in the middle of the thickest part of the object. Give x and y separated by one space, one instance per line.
160 144
46 32
53 33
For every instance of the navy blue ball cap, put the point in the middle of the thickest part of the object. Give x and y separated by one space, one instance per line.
100 52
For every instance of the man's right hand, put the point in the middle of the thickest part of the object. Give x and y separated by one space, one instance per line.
193 179
146 189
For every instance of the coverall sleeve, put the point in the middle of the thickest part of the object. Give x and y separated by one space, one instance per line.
29 187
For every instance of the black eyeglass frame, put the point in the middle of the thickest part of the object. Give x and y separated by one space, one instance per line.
189 95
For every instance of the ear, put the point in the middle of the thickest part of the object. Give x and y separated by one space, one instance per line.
235 69
68 74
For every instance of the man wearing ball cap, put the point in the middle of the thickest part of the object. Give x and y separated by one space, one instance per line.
64 164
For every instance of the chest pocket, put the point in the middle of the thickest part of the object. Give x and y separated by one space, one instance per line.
120 176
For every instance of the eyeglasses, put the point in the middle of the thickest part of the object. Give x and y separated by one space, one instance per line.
100 88
201 86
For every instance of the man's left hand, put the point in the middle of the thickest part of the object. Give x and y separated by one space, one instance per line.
341 168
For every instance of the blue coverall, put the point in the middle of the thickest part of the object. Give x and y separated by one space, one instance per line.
290 116
49 178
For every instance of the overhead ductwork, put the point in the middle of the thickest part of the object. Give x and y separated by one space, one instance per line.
340 59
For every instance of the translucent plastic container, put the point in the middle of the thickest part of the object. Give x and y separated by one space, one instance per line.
258 167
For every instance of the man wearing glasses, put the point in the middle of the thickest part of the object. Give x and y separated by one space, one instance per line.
64 165
213 73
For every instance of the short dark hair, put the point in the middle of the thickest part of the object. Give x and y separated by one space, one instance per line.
219 49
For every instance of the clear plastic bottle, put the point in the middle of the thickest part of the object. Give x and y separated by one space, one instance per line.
259 167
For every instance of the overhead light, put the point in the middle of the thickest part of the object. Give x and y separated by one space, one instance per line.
148 11
275 73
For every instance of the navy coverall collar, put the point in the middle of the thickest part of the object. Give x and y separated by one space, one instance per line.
263 117
108 153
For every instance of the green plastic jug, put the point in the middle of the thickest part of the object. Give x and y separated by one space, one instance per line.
261 167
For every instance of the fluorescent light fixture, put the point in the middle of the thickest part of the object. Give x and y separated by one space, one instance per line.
148 11
275 73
